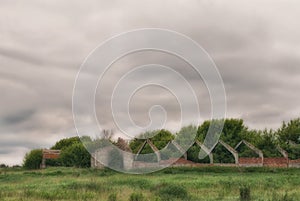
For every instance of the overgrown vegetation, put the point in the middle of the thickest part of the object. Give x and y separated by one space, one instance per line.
136 197
245 192
171 192
176 184
234 130
74 154
33 159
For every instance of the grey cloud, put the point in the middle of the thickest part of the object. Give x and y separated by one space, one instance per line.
14 54
18 117
254 44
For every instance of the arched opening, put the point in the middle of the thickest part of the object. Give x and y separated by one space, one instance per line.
222 155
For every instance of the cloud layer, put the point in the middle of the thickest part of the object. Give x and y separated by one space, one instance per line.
255 45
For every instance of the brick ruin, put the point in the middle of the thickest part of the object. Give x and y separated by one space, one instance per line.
49 154
130 162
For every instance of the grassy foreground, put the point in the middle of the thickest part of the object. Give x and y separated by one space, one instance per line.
210 183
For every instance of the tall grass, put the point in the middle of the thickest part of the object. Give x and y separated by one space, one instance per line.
170 184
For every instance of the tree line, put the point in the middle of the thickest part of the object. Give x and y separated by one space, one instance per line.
73 152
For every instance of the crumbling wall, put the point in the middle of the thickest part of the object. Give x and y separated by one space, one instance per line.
103 155
276 162
294 163
251 162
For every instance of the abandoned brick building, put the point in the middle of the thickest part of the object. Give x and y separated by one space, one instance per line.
101 157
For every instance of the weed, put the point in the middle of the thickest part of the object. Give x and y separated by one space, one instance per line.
136 197
245 192
172 191
112 197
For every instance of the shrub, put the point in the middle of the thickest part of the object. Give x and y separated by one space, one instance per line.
67 142
3 165
245 193
33 159
136 197
75 155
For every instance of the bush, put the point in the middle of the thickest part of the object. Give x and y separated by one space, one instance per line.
3 165
75 156
67 142
245 193
136 197
33 159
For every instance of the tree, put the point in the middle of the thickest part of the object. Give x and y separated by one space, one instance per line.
186 136
73 152
268 144
33 159
232 133
93 144
290 131
64 143
160 138
289 138
75 155
2 165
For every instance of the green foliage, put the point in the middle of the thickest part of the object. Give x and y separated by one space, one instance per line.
290 132
112 197
159 138
245 193
136 197
64 143
193 155
75 155
170 152
95 144
186 135
284 197
2 165
245 151
202 183
293 150
232 133
33 159
222 155
289 138
233 130
268 144
169 192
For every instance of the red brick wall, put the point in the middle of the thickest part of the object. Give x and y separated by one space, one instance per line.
294 161
250 160
276 162
179 162
246 162
141 164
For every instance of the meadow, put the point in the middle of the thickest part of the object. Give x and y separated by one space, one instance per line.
203 183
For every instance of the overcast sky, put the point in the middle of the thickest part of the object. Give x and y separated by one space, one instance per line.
255 44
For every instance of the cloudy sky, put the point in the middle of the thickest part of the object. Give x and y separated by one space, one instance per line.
255 45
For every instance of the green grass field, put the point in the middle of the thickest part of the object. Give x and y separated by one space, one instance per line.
214 183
